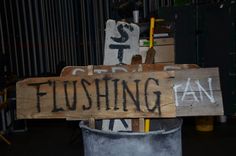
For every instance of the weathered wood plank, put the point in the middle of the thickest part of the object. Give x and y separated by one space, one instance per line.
101 69
197 92
207 110
141 124
136 59
135 125
198 78
92 123
150 56
97 96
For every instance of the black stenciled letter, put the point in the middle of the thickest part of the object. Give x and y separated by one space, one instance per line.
84 82
122 39
38 93
157 93
73 107
126 89
123 35
120 50
115 93
106 95
55 109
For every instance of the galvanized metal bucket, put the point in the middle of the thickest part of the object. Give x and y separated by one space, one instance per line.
164 139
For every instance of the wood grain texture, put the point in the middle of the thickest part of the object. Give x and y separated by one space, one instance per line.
91 123
141 124
198 92
135 125
136 59
184 92
150 56
101 69
52 92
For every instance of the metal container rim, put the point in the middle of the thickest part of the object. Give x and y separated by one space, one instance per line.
178 120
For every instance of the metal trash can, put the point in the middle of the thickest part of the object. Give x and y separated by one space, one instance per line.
164 139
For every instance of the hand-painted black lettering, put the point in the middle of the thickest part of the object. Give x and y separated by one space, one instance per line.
123 35
158 93
106 95
129 27
158 102
111 124
115 93
120 50
124 123
73 107
126 89
55 109
84 83
38 93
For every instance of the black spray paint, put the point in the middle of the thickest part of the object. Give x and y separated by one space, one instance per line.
73 107
55 109
120 50
38 93
121 40
115 93
126 93
84 83
106 95
157 93
135 100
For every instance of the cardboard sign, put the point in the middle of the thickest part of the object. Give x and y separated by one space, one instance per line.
121 42
189 92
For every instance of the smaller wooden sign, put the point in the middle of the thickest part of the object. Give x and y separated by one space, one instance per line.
105 69
198 92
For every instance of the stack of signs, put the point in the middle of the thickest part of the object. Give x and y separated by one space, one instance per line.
121 91
152 93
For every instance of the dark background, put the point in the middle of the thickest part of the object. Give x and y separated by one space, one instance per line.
39 37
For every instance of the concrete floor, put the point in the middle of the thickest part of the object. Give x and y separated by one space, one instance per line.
58 137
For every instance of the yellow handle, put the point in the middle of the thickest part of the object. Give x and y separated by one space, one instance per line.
152 23
147 125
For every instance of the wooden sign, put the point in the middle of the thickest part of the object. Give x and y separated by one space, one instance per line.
198 92
151 94
124 124
103 69
121 95
121 42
